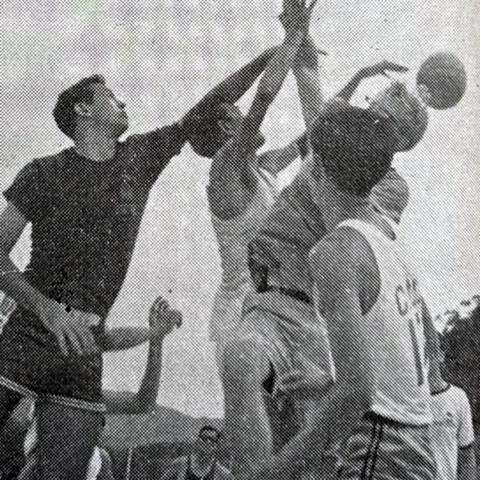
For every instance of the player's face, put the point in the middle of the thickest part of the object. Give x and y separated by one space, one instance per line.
231 124
207 442
107 111
395 102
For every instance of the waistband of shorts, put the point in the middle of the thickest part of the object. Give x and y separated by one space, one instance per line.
278 304
61 400
289 292
376 418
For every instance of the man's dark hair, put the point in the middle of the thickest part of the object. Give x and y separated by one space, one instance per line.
355 147
210 428
64 111
207 137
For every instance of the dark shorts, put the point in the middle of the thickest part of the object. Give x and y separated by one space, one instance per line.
32 364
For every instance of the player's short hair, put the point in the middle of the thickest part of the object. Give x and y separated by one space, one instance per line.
208 137
64 111
413 124
210 428
355 147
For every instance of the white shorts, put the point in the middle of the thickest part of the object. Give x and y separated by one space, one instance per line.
292 335
380 449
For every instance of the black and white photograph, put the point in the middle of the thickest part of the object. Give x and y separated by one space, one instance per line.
239 240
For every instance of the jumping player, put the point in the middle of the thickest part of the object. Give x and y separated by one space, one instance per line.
85 205
239 198
242 185
380 403
280 337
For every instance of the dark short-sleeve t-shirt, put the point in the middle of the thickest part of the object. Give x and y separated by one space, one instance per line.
85 216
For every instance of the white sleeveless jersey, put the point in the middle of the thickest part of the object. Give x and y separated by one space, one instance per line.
400 373
233 236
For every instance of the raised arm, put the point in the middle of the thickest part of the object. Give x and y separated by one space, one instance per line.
296 18
233 87
380 68
231 180
307 73
162 321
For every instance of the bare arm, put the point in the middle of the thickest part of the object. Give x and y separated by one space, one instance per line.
467 465
337 280
307 74
123 338
274 161
306 71
12 281
378 69
162 321
230 174
349 398
232 88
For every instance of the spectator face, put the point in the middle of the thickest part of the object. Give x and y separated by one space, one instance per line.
207 443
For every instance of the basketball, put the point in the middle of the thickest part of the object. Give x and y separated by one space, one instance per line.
442 80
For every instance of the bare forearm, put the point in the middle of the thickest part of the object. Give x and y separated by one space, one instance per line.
349 89
146 396
268 88
274 161
307 74
16 286
124 338
234 86
309 91
342 411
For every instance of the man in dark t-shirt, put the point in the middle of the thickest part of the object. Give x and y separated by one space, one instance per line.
85 205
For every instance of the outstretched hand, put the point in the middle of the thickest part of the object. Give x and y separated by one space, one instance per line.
382 68
163 320
296 15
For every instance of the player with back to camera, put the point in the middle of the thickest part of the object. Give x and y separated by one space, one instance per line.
280 315
371 301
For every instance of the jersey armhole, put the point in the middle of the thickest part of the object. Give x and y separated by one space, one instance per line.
366 304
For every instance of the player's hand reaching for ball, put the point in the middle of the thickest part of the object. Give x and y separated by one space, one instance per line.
163 320
296 15
71 327
381 68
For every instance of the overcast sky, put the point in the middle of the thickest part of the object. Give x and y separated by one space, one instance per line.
160 57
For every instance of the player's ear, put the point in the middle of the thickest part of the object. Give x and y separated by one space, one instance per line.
82 109
424 94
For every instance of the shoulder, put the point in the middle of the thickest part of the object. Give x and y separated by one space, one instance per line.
50 163
342 248
459 396
390 196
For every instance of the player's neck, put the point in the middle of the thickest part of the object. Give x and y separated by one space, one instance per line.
95 145
344 207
